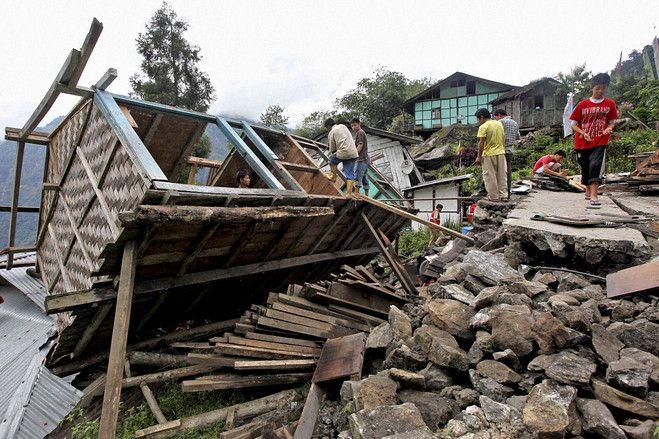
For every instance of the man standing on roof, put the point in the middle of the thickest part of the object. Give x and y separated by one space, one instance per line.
342 150
594 120
511 135
361 167
491 155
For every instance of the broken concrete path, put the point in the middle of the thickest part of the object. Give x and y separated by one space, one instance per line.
591 244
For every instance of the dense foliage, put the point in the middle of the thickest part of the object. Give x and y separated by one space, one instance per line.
274 117
170 73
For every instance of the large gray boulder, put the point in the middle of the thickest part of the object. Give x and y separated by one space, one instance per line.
400 323
598 420
565 367
550 333
629 375
641 334
451 316
386 420
550 410
490 268
511 329
606 345
623 401
435 410
375 391
499 372
380 337
441 348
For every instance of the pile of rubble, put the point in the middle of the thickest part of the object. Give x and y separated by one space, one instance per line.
485 352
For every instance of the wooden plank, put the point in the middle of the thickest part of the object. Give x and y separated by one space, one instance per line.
110 410
128 137
640 279
321 317
413 217
301 302
51 95
291 327
274 314
350 304
268 345
105 80
357 315
211 359
402 275
310 412
35 138
274 364
341 357
280 339
153 128
86 50
207 163
149 397
300 167
129 117
256 352
18 170
230 381
168 375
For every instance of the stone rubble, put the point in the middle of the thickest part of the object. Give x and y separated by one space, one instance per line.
490 351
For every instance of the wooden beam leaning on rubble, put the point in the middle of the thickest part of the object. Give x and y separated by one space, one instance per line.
110 411
413 217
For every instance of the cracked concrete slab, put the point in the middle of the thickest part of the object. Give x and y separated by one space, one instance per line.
636 204
590 245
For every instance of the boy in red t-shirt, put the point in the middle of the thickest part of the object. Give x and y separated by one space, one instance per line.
594 119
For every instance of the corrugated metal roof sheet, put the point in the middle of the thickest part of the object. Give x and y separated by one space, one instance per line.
31 287
32 400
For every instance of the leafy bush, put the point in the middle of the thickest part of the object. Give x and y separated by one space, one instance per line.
411 244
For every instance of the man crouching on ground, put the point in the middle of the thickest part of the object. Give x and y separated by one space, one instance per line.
342 150
491 156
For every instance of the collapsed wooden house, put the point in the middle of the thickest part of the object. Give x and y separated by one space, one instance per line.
122 244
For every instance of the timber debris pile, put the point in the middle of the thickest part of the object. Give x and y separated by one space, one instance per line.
290 289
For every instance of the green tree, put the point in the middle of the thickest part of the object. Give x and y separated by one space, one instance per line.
170 72
576 81
312 125
274 117
378 99
402 124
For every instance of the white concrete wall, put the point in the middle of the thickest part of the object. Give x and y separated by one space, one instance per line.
438 191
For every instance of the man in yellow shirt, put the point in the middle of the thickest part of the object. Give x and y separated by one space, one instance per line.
492 155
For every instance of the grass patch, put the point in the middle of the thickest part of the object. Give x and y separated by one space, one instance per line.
174 403
411 244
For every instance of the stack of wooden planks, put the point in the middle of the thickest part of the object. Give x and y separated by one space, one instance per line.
279 342
646 175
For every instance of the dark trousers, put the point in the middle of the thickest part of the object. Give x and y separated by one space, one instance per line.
509 170
592 162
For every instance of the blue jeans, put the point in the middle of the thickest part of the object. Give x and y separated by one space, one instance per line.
348 165
361 175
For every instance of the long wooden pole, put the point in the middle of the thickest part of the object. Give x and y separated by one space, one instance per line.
114 376
14 202
413 217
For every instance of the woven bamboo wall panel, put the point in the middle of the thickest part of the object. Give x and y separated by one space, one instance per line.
93 211
78 268
123 187
97 145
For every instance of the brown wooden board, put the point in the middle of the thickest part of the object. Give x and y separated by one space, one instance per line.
341 357
639 279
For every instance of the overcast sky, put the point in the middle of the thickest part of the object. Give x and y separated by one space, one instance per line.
303 54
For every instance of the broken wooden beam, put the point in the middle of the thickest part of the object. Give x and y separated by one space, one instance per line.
641 279
274 364
234 381
243 410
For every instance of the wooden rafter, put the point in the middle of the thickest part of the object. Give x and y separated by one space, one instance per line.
182 160
81 299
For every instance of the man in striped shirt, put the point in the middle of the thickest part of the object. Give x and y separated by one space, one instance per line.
511 136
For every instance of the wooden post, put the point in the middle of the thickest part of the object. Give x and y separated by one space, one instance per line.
115 371
14 202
